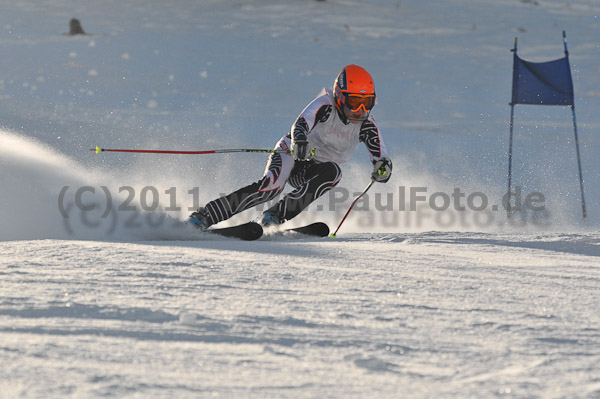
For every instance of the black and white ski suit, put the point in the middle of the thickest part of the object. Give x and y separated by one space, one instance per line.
334 139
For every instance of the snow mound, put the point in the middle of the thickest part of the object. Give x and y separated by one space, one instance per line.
47 195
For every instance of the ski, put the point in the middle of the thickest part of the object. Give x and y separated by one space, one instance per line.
317 229
248 231
253 231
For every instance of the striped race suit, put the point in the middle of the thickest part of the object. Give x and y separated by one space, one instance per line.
334 139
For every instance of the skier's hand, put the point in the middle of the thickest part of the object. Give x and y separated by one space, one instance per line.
382 170
302 150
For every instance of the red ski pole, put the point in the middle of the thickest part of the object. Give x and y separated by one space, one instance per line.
351 206
99 150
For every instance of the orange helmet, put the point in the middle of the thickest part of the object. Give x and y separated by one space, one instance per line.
354 89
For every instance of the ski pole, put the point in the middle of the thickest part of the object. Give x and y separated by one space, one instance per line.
351 206
99 150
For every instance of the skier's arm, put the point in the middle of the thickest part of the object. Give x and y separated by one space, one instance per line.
369 134
315 112
300 129
382 164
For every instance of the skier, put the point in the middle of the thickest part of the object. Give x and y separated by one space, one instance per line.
325 135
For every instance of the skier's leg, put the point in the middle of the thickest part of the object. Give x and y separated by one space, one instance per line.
311 181
268 187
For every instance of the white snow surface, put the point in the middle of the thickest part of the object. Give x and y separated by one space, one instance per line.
126 301
389 315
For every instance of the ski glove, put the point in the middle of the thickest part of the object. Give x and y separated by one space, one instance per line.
382 170
302 151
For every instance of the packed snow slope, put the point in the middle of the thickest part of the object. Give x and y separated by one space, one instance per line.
222 74
428 292
421 315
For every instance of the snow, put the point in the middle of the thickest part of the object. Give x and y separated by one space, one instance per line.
120 302
410 315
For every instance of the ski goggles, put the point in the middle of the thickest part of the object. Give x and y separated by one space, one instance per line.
355 102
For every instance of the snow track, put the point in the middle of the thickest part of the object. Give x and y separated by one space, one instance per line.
386 315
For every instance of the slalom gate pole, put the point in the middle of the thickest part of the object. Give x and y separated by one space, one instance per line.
583 207
350 208
225 151
510 153
510 140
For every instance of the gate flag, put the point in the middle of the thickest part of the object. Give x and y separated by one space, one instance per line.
542 83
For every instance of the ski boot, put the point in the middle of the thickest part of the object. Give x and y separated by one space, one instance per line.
271 219
200 219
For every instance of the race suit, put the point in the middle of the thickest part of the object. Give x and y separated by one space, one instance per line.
334 139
